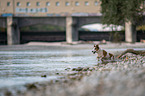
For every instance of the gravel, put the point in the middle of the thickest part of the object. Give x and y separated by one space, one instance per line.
122 78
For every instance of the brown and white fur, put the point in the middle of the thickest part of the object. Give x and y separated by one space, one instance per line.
102 54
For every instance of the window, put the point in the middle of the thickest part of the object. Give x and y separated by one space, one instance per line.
18 3
28 3
31 9
67 3
86 3
57 3
8 3
77 3
38 3
96 3
47 3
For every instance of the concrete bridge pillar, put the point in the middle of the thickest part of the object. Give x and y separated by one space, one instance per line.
130 32
13 33
71 29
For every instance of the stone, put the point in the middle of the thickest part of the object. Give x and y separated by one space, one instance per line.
43 75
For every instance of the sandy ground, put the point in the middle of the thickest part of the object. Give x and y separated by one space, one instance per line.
122 78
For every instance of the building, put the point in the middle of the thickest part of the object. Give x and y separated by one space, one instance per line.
49 7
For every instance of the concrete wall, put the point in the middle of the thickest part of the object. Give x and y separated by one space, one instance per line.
59 21
49 7
5 7
61 36
3 22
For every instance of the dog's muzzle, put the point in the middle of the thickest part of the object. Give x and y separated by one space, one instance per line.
93 52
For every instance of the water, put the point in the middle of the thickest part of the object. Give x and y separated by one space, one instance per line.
19 66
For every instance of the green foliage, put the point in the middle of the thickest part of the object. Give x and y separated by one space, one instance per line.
117 36
141 27
43 28
118 11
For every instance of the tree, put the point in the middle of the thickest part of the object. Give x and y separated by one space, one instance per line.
119 12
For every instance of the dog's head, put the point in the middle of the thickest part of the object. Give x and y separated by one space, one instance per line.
95 49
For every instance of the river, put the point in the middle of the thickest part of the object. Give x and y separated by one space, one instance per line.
26 64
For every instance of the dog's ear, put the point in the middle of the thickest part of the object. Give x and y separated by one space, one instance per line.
97 46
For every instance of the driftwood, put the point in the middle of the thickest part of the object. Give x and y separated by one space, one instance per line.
132 51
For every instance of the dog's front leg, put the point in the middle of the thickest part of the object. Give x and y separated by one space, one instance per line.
99 59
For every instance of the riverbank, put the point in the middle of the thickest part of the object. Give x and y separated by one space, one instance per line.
125 78
122 78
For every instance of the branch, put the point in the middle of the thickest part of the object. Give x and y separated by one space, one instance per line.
132 51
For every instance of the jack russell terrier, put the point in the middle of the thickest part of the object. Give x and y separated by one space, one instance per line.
102 54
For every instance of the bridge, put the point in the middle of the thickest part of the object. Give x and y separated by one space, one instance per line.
72 24
71 14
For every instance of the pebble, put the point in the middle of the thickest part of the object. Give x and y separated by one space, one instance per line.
72 73
79 69
43 75
31 86
105 69
67 68
57 73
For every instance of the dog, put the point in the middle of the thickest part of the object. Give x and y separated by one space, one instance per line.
102 54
